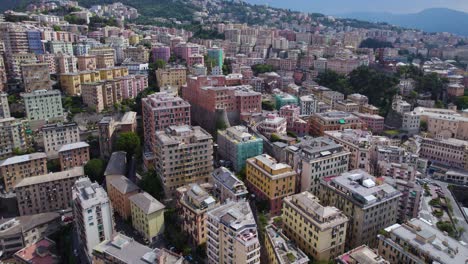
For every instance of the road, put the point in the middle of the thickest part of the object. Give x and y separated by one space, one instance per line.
457 213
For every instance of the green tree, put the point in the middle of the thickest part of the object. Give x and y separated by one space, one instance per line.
53 165
57 28
275 138
94 169
262 68
128 142
160 64
152 184
375 44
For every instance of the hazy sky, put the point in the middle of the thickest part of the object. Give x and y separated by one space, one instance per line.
333 7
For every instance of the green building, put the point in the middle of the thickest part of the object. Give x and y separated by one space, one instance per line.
285 99
237 145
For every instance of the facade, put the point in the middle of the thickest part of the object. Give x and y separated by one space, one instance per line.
86 62
369 206
374 123
272 124
232 226
36 77
270 180
346 106
184 155
417 241
43 105
409 203
193 203
226 186
411 122
73 155
57 135
171 76
316 158
4 106
237 145
451 153
320 231
47 193
108 128
161 110
147 215
280 250
333 121
92 215
16 168
120 189
308 104
23 231
13 135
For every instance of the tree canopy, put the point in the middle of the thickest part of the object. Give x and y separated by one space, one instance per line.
262 68
128 142
94 169
375 44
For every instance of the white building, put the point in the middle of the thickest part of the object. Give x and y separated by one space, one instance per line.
57 135
411 122
232 234
309 104
272 124
92 213
43 105
4 106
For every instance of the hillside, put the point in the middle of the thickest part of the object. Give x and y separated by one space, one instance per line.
430 20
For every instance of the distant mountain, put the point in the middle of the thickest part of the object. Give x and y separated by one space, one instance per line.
430 20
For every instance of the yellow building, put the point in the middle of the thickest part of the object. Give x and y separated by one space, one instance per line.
70 83
134 39
119 190
270 180
147 215
320 231
176 76
89 76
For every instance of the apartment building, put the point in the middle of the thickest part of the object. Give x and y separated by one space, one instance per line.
270 180
92 215
272 124
333 121
36 77
418 241
444 122
110 126
369 204
48 192
184 154
161 110
451 153
119 190
23 231
73 155
13 135
4 106
316 158
308 104
226 185
57 135
236 145
16 168
283 99
374 123
320 231
281 250
147 215
331 98
193 203
176 76
86 62
232 234
139 53
359 143
43 105
409 204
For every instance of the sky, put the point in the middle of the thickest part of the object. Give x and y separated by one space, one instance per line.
336 7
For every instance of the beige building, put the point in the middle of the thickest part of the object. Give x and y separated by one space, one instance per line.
193 203
86 63
360 255
59 134
370 205
176 76
320 231
185 155
46 193
13 136
73 155
445 122
451 153
119 190
36 77
104 61
109 125
232 234
14 169
138 54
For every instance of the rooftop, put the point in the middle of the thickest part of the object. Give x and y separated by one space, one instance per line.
361 255
89 193
41 252
430 240
72 146
117 164
362 187
229 180
147 203
55 176
238 133
286 252
17 225
234 215
122 184
23 158
183 134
